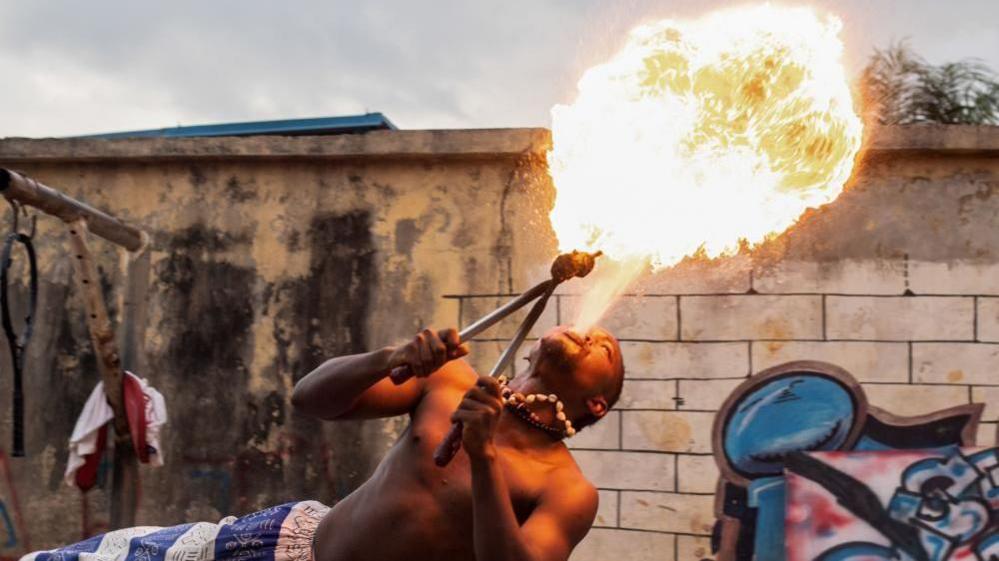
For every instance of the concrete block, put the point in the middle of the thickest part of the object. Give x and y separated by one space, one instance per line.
680 431
988 434
647 394
607 509
705 395
727 275
867 361
644 471
630 317
696 474
904 399
959 277
685 360
447 313
713 318
602 435
988 319
668 512
837 277
482 355
989 395
604 544
693 548
904 318
955 363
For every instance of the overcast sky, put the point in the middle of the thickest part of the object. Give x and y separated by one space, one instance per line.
72 67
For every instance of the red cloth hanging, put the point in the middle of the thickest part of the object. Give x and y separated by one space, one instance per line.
135 410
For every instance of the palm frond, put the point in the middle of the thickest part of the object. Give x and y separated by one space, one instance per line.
900 87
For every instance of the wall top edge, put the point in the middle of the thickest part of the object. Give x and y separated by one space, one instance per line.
426 144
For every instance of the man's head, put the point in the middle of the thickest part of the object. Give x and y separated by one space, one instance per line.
585 370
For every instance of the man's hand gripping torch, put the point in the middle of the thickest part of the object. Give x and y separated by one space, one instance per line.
565 267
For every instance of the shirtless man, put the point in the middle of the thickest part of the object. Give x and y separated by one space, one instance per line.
512 493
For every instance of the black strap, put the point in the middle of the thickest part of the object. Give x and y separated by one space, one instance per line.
18 343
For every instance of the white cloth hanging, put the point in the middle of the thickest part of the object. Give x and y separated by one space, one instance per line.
97 414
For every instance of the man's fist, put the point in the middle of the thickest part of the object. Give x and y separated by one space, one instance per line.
479 412
428 351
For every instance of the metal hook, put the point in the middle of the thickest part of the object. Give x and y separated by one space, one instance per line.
34 225
17 209
14 212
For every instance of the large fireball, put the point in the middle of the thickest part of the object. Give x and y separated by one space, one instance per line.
702 135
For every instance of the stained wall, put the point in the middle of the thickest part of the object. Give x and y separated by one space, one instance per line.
269 254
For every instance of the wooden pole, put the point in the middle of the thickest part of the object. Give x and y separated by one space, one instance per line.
29 192
124 490
82 219
135 309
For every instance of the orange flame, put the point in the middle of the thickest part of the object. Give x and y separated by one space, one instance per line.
701 135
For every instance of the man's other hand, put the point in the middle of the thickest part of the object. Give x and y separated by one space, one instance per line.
428 351
479 411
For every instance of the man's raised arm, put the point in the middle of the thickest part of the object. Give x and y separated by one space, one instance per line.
358 387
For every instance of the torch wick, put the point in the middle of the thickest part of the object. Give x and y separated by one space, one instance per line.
575 264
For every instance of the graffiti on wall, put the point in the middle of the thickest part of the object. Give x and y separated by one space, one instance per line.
13 536
230 484
798 407
899 505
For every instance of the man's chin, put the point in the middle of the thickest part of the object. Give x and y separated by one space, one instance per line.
558 354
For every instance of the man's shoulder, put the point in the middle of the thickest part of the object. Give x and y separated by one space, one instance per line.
570 492
568 475
456 375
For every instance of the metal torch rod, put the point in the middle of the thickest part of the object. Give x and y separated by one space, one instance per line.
452 441
403 373
490 319
511 349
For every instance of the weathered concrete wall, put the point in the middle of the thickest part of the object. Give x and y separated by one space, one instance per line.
270 254
263 265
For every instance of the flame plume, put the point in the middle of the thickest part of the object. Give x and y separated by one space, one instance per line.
699 136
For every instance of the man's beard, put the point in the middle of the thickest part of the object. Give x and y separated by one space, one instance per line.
555 355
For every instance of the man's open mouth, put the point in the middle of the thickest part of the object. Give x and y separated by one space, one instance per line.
818 444
575 337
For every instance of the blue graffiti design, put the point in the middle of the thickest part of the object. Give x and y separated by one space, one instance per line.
757 437
798 409
937 547
988 548
859 551
9 526
949 501
224 481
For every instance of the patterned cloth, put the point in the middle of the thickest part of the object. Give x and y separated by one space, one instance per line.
280 533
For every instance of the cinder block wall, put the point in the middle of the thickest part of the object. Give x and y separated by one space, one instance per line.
897 282
685 352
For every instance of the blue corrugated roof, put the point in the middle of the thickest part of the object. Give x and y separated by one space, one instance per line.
285 127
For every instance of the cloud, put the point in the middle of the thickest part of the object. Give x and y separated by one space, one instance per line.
74 68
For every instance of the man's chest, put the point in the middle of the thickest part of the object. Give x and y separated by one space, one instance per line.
451 485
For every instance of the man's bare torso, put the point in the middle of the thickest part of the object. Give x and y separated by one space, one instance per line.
412 510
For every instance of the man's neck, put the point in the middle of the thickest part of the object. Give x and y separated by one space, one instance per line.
523 434
518 433
527 384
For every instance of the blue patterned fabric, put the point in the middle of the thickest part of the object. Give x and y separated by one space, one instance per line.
279 533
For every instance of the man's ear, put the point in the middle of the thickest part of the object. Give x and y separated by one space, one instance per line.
597 406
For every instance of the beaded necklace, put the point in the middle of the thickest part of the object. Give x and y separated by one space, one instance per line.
517 403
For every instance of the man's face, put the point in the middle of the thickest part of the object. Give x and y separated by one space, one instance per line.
575 364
